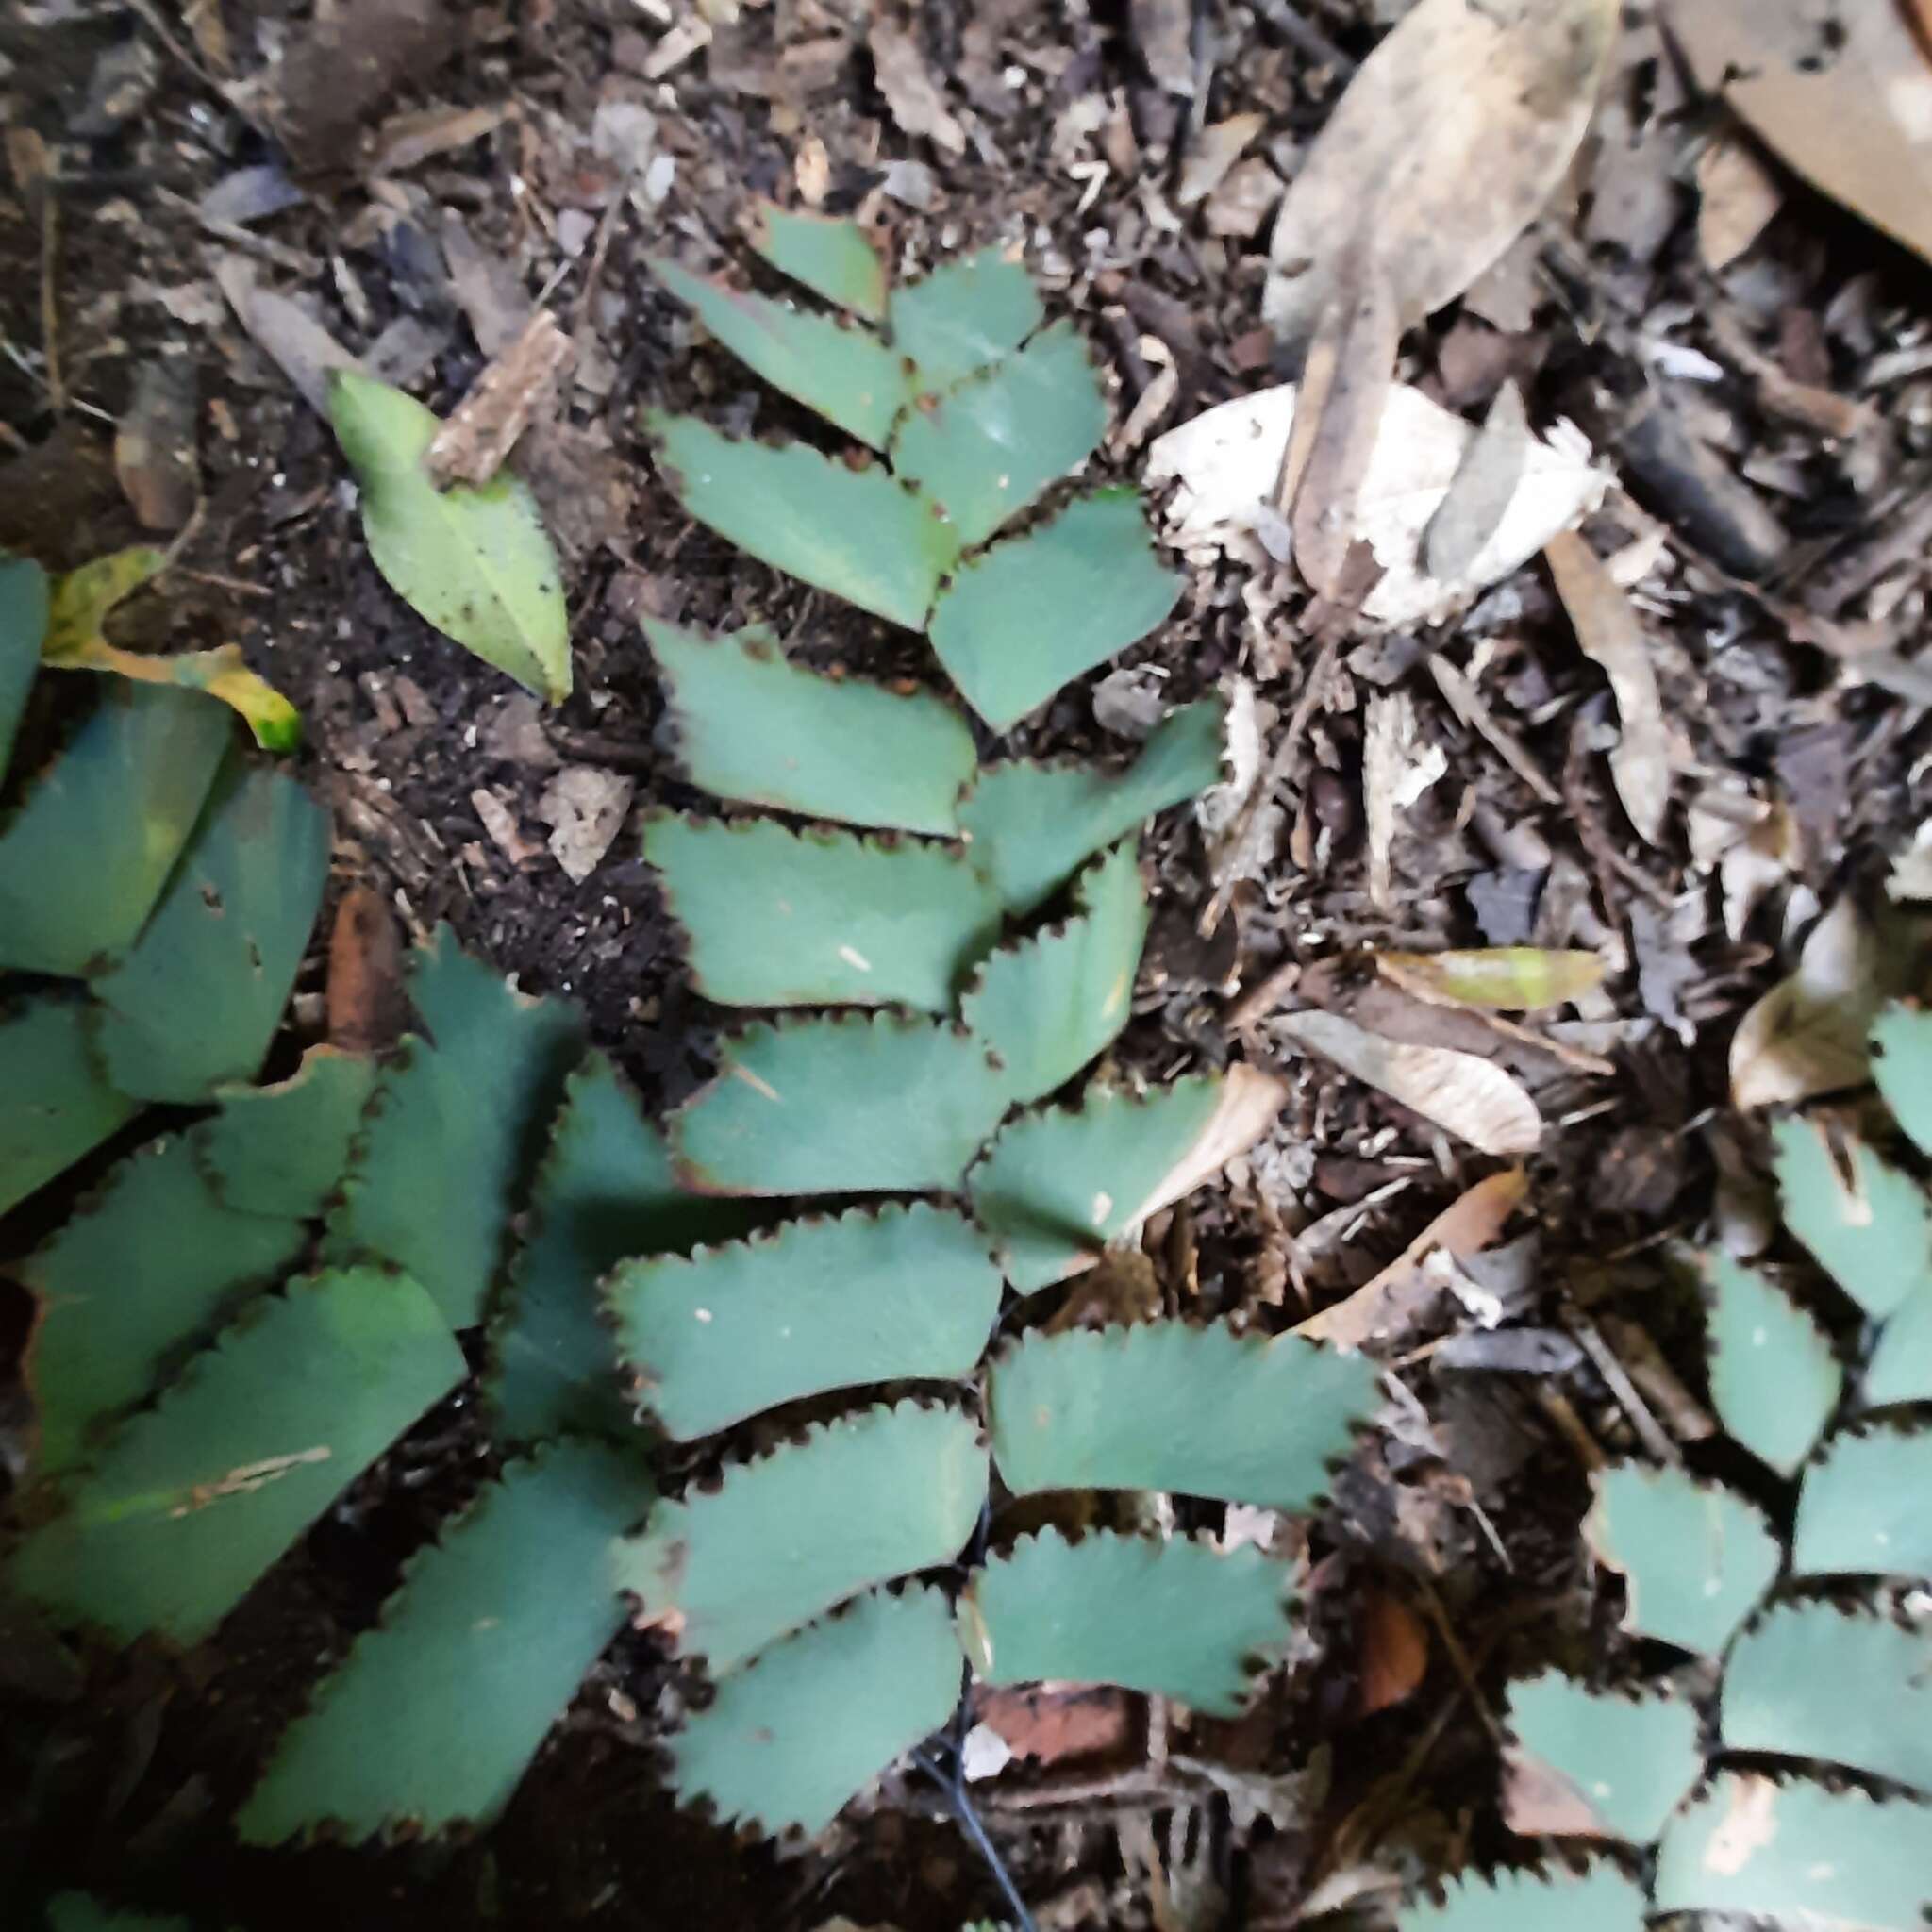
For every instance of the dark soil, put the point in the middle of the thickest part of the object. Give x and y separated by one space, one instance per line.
1467 1507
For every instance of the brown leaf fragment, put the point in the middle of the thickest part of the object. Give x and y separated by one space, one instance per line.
476 439
367 1008
1215 150
1850 111
1237 207
1446 145
915 99
489 291
1738 195
1162 30
499 818
1485 481
1608 633
1472 1098
154 453
1384 1312
406 140
1394 1656
585 809
1050 1724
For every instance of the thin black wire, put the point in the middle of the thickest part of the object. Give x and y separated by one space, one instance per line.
952 1783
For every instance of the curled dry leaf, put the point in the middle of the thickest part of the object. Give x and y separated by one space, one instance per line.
1447 143
1509 979
1229 460
1851 112
1383 1311
1808 1035
1609 632
1472 1098
1395 1652
1249 1102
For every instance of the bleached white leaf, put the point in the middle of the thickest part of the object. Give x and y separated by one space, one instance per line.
1228 460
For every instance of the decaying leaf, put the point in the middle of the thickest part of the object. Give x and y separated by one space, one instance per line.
1509 979
1382 1310
1607 631
1229 461
285 332
1737 196
1808 1035
1847 104
584 809
1486 479
1395 1652
1472 1098
78 606
1446 145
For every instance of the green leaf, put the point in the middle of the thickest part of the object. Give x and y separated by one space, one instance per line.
815 1304
74 1912
1176 1618
986 449
832 258
1059 1184
1798 1855
1627 1762
55 1105
964 315
434 1716
75 641
1808 1680
23 625
1695 1557
476 563
777 918
859 534
455 1131
1038 610
605 1190
282 1149
115 809
1601 1900
1032 824
1774 1378
149 1265
858 1500
1900 1369
1902 1065
1162 1406
1049 1004
850 1103
750 726
846 374
195 1498
197 1001
1870 1231
1862 1510
793 1733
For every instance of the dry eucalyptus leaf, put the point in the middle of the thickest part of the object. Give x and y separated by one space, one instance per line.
1808 1035
1609 632
1509 979
1386 1309
1474 1099
1842 94
1445 148
1249 1102
1230 459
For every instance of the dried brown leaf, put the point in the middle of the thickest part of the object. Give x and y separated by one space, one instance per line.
1852 113
1480 491
1808 1035
1383 1311
917 104
1609 632
1395 1652
1472 1098
1446 145
1737 196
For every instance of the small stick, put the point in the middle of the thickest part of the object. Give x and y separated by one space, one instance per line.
1306 37
1262 998
1469 705
1458 1660
1569 1425
1650 1431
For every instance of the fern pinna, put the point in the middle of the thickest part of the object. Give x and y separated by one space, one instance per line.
944 945
1799 1797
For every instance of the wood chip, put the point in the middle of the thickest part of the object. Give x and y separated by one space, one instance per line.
475 440
915 100
406 140
1607 631
154 453
367 1007
1738 195
1472 1098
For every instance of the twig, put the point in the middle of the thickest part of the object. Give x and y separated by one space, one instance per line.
1261 999
151 15
1306 37
1650 1431
1235 846
1469 706
1458 1661
1569 1425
